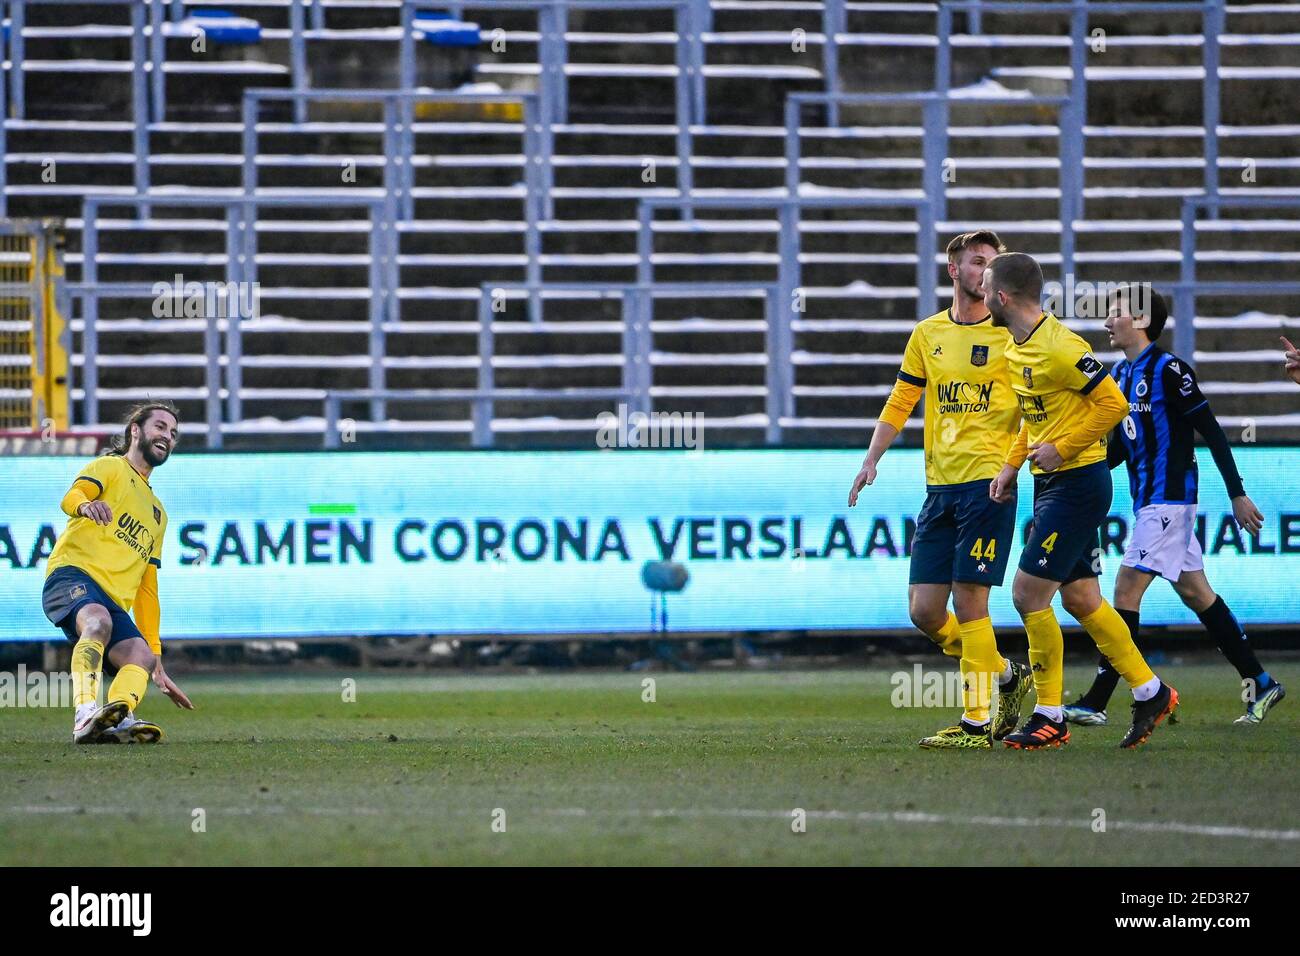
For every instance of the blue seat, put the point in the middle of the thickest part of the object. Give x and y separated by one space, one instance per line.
442 29
223 26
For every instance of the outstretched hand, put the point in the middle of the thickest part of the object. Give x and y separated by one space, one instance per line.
169 688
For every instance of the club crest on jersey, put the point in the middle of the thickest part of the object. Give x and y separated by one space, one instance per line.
979 355
1029 376
1141 388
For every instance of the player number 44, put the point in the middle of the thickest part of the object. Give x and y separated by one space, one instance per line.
979 551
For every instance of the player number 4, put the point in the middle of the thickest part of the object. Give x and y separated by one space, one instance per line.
1049 542
979 551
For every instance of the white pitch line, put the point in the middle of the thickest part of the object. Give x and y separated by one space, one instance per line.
901 816
860 816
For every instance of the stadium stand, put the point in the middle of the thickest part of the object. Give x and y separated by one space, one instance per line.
333 153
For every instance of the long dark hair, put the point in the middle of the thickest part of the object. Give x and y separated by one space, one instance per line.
138 415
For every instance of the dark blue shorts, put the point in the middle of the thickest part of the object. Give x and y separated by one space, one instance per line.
68 590
962 535
1064 540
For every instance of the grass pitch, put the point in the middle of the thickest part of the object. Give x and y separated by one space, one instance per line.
586 772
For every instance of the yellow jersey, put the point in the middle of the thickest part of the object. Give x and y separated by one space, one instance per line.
1052 371
117 554
971 417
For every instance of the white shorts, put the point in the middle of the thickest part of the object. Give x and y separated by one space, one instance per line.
1164 541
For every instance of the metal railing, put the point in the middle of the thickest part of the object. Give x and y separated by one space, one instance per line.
780 332
17 86
935 112
552 84
1188 287
788 208
637 305
399 152
481 401
241 246
1073 148
692 17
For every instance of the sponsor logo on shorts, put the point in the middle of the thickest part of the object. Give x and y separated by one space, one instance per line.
77 591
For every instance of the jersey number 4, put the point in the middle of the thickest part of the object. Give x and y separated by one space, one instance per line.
979 551
1049 542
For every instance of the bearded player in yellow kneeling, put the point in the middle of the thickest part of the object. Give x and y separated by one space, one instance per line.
105 562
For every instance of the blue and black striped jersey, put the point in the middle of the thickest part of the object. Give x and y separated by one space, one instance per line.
1158 436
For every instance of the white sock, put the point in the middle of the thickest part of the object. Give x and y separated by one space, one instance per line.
1005 676
1148 690
975 723
1051 712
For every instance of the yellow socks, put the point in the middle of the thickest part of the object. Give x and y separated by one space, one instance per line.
949 636
87 660
1111 635
129 685
1046 653
980 666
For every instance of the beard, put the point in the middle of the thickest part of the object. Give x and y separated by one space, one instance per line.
999 319
153 456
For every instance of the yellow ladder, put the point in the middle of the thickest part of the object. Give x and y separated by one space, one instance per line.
33 330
